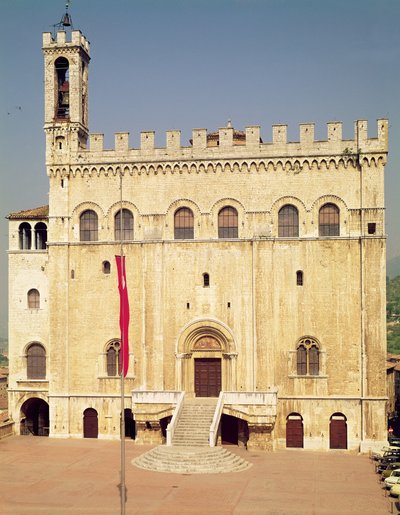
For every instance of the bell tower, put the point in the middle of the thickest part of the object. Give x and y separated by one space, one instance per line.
66 94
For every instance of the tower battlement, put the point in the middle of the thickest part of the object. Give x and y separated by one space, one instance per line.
77 39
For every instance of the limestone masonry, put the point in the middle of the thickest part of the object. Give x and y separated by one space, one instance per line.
255 271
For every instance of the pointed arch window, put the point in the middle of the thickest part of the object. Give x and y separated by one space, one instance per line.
329 220
228 223
25 236
308 354
36 361
88 226
126 224
288 221
113 357
184 224
33 299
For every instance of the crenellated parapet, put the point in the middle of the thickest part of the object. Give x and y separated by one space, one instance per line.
226 151
77 40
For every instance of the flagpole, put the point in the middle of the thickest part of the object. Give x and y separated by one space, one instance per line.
122 369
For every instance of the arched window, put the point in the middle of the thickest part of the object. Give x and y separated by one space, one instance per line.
62 70
88 226
184 224
329 220
228 223
33 299
106 267
112 354
25 236
206 280
40 236
36 361
126 223
288 221
308 357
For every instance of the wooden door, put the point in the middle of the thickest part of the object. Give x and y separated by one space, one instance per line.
207 377
90 423
338 433
294 431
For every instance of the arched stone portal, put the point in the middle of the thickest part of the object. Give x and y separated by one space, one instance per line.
34 417
206 359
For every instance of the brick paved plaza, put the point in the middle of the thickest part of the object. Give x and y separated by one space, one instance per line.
52 476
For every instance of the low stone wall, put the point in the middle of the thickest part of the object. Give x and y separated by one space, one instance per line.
6 429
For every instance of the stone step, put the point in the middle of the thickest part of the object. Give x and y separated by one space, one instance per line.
191 460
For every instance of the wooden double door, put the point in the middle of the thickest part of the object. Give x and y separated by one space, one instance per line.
207 377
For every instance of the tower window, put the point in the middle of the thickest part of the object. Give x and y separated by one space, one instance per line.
308 357
33 299
206 280
106 267
36 361
372 228
62 73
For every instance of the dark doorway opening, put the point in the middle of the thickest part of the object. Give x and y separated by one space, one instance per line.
130 424
207 377
35 418
229 430
163 425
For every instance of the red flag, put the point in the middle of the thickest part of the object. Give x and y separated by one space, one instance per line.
123 313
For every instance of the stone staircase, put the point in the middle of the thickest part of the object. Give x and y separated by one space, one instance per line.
191 460
193 426
190 452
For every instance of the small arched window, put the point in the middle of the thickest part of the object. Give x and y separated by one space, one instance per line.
106 267
299 278
308 357
126 224
206 280
288 221
36 361
329 222
228 223
40 236
112 354
25 236
88 226
33 299
184 224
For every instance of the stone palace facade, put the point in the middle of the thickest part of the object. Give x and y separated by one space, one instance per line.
255 271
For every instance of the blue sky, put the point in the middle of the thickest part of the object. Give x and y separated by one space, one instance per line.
175 64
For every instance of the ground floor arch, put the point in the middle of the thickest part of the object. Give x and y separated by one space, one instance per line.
90 423
338 431
206 359
294 431
34 417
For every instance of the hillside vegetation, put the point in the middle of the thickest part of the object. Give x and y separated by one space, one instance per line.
393 314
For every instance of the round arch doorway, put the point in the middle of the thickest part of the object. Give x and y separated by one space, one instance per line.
35 417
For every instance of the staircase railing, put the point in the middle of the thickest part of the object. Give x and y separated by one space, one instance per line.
215 422
175 417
